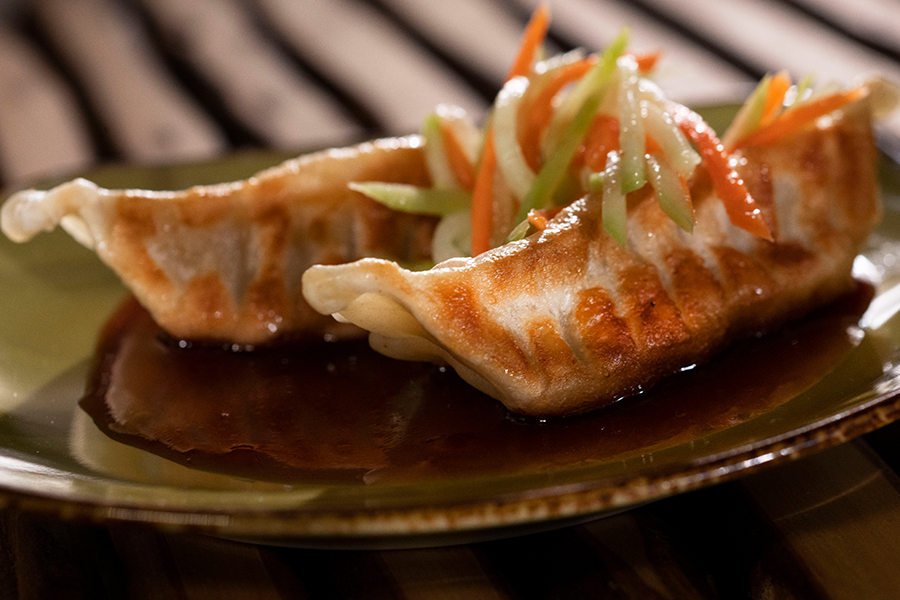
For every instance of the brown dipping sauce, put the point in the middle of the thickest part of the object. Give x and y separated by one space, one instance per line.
341 412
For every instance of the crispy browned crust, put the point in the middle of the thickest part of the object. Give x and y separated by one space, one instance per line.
224 262
568 320
273 227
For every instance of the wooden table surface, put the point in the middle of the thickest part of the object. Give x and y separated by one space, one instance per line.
164 81
825 526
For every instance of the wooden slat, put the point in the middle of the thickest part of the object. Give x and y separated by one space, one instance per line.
59 559
623 543
372 59
257 83
774 36
146 564
873 20
42 131
565 563
687 72
481 34
837 510
440 574
213 569
148 116
715 543
347 574
9 587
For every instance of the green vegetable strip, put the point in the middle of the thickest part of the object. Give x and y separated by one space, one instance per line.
554 170
673 200
519 232
575 99
510 159
660 126
435 157
747 118
409 198
615 216
631 129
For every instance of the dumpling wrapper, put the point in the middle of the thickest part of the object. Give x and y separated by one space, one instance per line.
567 320
223 262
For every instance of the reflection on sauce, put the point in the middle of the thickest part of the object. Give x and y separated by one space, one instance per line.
339 411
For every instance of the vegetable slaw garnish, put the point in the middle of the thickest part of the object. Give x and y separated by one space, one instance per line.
794 118
576 124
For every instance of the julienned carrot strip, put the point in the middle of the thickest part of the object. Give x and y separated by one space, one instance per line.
534 35
540 109
647 60
778 87
601 139
795 118
456 156
729 187
483 197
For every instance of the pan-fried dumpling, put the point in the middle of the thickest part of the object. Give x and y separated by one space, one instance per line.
568 319
224 262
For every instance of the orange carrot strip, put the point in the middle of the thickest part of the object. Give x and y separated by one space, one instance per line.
601 139
456 156
538 219
791 120
534 35
778 87
539 216
540 110
646 60
651 146
483 197
739 204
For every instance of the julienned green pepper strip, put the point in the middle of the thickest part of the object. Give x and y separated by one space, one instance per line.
412 199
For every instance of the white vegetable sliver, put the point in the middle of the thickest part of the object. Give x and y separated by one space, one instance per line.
452 237
615 216
435 156
631 127
510 159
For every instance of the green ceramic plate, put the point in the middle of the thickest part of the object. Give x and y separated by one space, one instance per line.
427 461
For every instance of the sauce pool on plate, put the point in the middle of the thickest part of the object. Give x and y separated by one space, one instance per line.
340 412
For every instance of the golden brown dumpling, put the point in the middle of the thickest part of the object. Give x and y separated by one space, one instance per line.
567 319
224 262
